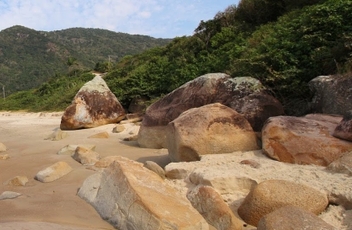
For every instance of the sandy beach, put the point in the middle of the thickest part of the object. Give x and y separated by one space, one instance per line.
55 205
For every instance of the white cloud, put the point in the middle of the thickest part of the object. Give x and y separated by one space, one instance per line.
157 18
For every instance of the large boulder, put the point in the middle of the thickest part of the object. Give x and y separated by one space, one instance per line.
303 140
246 95
93 105
130 196
209 129
292 217
332 94
270 195
344 128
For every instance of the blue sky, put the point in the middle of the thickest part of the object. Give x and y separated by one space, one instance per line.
156 18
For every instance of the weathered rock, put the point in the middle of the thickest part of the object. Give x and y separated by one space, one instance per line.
70 149
53 172
103 135
342 165
344 128
130 196
292 217
9 195
93 105
57 135
212 207
151 165
303 140
209 129
86 156
18 181
2 147
332 94
245 95
270 195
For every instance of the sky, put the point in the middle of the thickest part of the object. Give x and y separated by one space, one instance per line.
156 18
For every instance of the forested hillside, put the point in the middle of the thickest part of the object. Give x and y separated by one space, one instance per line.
29 58
285 45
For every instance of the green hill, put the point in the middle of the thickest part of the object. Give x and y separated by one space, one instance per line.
284 45
29 57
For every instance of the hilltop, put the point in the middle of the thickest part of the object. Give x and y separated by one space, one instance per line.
29 58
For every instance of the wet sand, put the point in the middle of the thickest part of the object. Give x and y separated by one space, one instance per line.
55 205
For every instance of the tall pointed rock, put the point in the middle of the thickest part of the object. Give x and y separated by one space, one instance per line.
93 105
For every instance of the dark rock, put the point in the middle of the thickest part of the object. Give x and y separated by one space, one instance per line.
332 94
344 128
246 95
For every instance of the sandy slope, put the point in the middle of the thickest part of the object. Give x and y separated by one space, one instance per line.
55 203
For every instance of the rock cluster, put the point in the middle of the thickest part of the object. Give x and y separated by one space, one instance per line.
235 165
245 95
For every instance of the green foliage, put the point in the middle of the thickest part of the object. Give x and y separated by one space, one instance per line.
284 45
54 95
28 57
301 45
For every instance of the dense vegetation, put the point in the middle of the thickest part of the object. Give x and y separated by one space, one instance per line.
29 57
285 45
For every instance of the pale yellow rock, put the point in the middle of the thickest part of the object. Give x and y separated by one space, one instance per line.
118 129
129 196
86 156
18 181
70 149
53 172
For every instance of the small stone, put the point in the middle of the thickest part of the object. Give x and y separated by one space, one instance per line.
86 156
18 181
131 138
4 157
70 149
53 172
118 129
57 135
9 195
